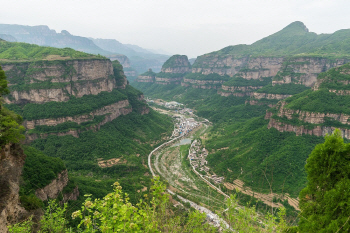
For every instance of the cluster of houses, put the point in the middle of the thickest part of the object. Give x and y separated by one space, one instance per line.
197 156
184 125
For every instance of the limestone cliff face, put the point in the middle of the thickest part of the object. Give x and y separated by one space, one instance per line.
260 67
11 163
167 81
201 84
314 118
237 90
145 79
300 130
56 186
177 64
57 80
259 96
78 89
123 60
302 70
228 65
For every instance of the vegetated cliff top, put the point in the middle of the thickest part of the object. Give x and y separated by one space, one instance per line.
176 61
331 96
295 40
148 73
15 51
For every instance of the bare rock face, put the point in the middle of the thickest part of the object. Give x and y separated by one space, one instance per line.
177 64
11 163
53 189
307 117
202 84
301 70
71 196
259 96
57 80
123 60
304 70
238 90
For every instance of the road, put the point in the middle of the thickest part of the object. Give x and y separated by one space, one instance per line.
182 129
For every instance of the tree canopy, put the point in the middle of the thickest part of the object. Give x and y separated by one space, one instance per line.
325 202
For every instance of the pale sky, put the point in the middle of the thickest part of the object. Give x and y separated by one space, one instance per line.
190 27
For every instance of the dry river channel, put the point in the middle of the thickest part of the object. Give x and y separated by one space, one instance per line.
170 161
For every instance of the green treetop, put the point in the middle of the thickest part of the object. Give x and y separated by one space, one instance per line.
325 202
3 83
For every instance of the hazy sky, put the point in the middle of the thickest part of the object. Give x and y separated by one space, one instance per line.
191 27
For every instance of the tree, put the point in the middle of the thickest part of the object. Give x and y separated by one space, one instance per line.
10 123
3 83
325 202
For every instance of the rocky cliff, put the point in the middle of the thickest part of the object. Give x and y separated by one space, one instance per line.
56 187
55 81
177 64
11 162
237 90
45 81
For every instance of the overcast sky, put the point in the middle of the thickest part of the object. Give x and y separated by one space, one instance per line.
190 27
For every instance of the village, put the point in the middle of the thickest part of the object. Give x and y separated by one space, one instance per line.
197 156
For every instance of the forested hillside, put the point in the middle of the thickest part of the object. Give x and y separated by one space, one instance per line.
80 114
267 147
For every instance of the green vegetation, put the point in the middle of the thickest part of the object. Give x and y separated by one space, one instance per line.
239 81
39 170
293 40
66 126
324 201
10 123
169 75
149 73
176 61
15 51
153 213
211 77
73 107
321 101
260 156
283 89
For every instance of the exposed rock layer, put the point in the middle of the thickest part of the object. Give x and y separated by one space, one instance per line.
11 163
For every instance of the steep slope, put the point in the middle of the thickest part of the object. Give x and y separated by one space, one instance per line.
318 111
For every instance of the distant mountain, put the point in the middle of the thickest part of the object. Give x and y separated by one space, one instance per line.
8 38
141 59
44 36
294 39
139 49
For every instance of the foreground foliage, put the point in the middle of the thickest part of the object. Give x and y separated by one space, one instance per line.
325 201
153 213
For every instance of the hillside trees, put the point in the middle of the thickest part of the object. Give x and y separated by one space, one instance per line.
10 123
325 202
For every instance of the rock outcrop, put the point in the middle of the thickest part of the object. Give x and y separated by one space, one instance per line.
237 90
53 189
11 163
310 122
177 64
46 81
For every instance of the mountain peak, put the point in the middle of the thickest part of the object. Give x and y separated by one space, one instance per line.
296 26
